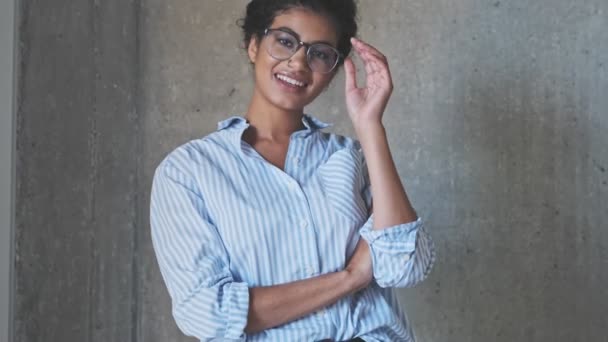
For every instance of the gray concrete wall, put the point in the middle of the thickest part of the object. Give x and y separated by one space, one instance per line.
7 165
78 154
498 126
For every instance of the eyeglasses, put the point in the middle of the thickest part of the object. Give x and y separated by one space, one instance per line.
282 45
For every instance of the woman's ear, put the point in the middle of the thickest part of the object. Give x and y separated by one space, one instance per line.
252 49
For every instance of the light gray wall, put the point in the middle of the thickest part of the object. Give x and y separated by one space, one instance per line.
7 147
498 126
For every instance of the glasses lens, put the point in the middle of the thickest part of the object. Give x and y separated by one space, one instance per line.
282 45
322 57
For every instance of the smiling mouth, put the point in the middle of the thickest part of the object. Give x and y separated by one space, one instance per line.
290 81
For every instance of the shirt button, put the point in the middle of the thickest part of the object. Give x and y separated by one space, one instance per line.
296 161
310 271
406 258
303 224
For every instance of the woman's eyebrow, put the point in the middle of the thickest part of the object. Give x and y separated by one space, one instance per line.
288 30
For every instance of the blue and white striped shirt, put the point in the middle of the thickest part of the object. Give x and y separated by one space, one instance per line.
224 219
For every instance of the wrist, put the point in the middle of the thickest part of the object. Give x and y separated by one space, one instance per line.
370 132
365 125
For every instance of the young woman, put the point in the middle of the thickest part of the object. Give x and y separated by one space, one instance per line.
264 229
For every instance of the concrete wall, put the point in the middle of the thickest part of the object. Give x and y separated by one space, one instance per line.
7 164
78 156
498 126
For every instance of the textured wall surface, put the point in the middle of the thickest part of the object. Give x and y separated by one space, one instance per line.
7 163
77 163
497 124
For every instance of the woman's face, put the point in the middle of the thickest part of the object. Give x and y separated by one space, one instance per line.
291 84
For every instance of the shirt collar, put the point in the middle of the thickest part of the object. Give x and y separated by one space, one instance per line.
313 123
310 122
235 121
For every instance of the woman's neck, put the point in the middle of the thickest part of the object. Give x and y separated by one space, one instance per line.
272 123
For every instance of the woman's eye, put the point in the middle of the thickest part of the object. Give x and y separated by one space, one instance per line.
320 54
285 42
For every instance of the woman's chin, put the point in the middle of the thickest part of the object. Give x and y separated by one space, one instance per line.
287 105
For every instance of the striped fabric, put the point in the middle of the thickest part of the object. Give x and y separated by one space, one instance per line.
224 220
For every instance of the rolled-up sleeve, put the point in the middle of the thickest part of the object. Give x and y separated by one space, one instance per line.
207 303
402 255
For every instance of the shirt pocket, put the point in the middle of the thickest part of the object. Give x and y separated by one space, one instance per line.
342 182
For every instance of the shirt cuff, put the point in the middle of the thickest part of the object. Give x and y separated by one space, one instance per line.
396 239
238 309
391 249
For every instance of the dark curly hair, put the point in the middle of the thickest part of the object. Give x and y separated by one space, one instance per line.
261 13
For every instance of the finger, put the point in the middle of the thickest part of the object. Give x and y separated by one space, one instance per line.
373 62
361 45
370 69
367 60
382 75
379 64
351 74
378 75
375 66
368 63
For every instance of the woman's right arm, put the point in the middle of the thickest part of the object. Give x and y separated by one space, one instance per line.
207 302
275 305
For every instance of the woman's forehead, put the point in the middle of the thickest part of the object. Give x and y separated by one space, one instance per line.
308 25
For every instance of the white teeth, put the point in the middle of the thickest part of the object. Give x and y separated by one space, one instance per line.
290 80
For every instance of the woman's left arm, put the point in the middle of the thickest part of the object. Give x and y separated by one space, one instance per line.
401 251
366 106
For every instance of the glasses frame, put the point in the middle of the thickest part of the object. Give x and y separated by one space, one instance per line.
305 45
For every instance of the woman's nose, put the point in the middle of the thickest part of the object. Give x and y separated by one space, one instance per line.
299 58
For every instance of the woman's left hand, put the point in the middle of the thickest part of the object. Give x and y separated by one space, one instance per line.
366 105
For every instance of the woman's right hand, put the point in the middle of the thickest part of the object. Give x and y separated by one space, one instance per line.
359 268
